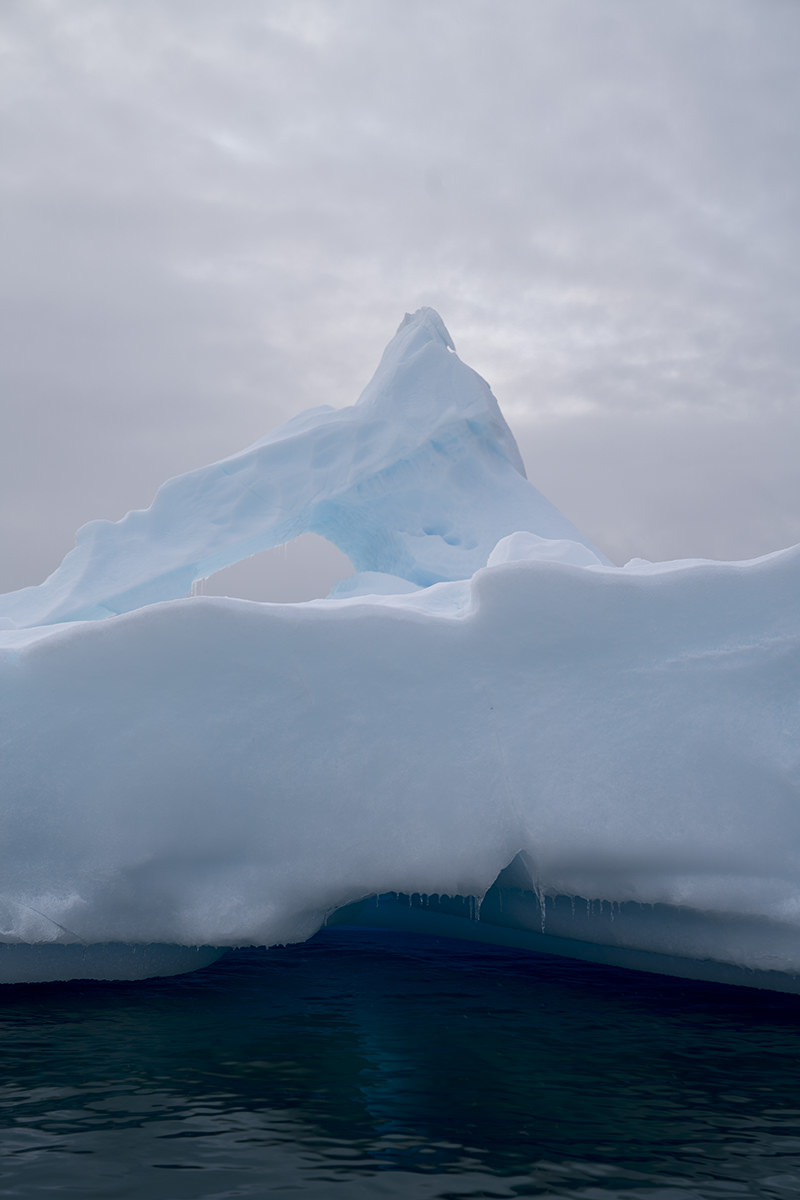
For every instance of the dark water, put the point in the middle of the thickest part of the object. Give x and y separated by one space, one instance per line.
391 1066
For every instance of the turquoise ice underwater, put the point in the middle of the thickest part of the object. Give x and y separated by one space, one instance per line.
488 732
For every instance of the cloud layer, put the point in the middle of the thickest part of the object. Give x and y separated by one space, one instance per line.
212 216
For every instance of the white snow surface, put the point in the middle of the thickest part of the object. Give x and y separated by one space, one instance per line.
205 771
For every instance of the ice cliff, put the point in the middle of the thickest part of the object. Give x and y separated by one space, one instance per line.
486 691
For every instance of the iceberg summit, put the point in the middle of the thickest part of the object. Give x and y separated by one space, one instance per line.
488 731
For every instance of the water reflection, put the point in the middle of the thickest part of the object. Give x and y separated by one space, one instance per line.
400 1066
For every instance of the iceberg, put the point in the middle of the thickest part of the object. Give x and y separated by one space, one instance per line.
488 731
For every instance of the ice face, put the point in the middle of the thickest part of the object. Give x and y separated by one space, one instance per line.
211 772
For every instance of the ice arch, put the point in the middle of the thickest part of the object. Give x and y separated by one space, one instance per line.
419 479
305 569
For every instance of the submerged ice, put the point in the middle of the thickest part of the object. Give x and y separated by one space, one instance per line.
486 689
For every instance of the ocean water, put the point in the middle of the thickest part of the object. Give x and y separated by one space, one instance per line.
398 1066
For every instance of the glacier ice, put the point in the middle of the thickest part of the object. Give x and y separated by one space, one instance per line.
182 771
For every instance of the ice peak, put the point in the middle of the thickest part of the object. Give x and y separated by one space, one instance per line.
422 338
429 320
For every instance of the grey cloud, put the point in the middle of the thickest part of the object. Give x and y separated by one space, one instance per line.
702 488
214 215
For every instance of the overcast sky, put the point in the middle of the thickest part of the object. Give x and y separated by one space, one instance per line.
214 215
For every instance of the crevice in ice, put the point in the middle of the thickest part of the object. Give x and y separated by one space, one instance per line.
63 928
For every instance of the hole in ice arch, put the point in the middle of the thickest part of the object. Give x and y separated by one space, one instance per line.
303 569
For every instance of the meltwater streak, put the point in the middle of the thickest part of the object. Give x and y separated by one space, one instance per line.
396 1066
